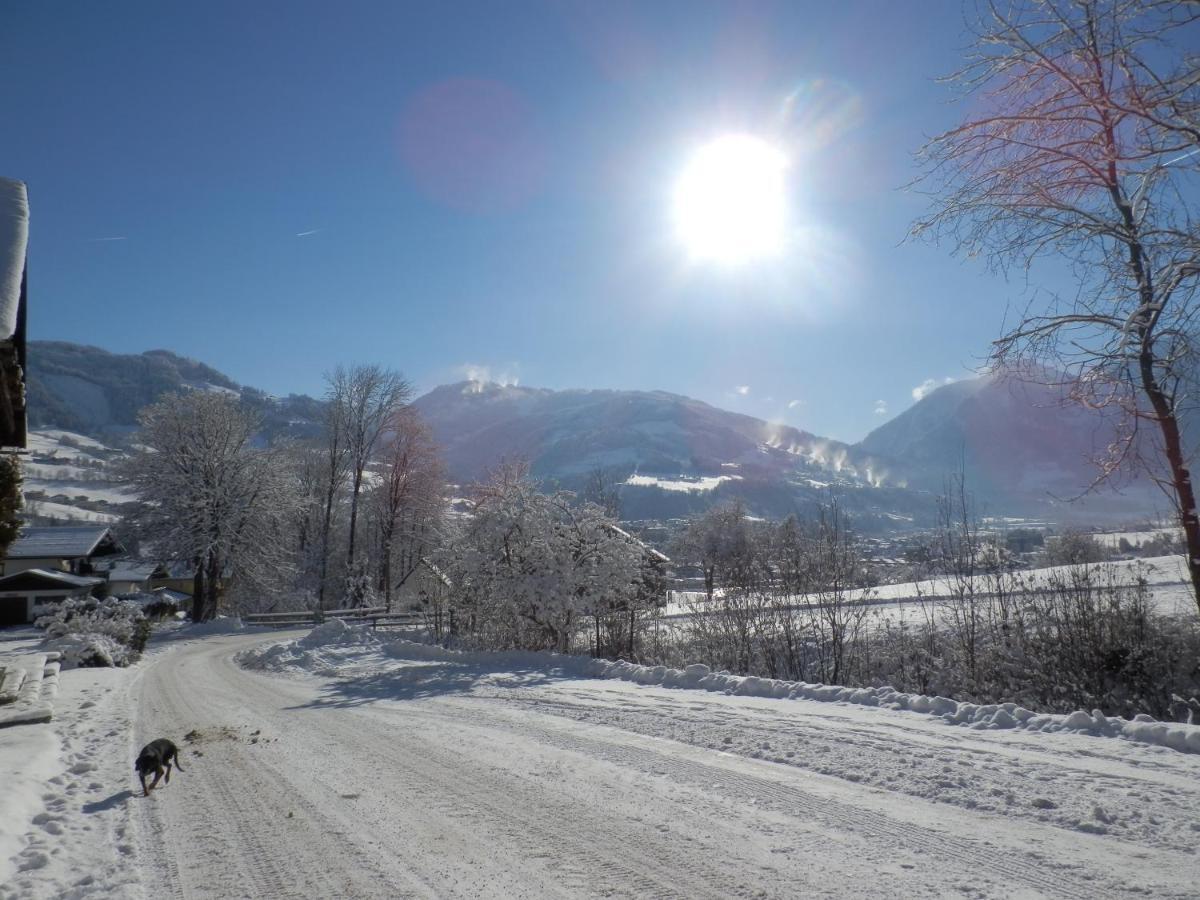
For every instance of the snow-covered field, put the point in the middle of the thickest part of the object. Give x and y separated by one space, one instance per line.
698 485
1112 539
1166 577
348 767
73 466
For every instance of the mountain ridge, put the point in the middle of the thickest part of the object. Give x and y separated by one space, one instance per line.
672 454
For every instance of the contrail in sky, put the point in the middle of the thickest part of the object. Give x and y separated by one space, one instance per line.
307 233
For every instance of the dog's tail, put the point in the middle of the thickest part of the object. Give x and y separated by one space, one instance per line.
177 765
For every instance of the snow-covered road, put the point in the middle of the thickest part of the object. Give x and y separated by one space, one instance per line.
430 778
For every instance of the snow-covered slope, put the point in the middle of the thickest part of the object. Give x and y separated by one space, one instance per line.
69 477
1020 444
675 455
672 454
92 391
393 773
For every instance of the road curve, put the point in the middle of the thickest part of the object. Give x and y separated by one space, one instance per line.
293 791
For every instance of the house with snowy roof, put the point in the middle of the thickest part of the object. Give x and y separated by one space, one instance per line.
14 239
652 586
74 549
21 593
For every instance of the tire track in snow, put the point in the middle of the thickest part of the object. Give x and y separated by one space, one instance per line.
606 854
239 824
960 769
587 852
838 815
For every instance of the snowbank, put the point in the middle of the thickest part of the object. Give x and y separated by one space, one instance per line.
336 647
322 651
514 659
1144 729
29 757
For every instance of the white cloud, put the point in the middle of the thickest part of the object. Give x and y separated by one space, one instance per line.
881 407
926 387
307 233
793 404
486 375
742 389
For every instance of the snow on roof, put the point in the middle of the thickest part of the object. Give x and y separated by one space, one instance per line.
429 564
60 578
14 236
58 542
168 594
438 573
130 572
646 548
173 569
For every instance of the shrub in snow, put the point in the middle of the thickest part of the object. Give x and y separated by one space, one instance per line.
93 632
1086 637
88 649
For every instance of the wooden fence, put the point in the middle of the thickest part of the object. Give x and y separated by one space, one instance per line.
375 616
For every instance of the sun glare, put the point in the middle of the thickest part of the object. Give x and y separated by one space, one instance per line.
730 204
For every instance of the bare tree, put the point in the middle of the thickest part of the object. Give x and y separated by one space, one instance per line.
837 606
369 397
409 498
336 466
208 495
603 488
306 465
1084 147
715 542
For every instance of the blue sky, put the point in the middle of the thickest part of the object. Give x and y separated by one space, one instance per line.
449 187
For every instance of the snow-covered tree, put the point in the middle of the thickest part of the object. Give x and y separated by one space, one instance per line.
209 495
718 542
528 567
10 499
367 398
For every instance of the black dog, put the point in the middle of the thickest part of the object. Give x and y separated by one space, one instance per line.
156 757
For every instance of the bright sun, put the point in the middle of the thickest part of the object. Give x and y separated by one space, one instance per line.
730 202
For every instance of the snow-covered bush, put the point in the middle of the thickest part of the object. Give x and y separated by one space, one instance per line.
94 632
529 568
92 650
1081 638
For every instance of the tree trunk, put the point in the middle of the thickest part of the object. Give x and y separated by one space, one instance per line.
198 594
325 528
356 589
353 518
1181 477
385 572
213 585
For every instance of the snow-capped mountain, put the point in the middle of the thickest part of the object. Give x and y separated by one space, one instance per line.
1022 451
670 454
1018 442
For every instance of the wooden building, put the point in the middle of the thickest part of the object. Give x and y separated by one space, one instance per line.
14 239
74 549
